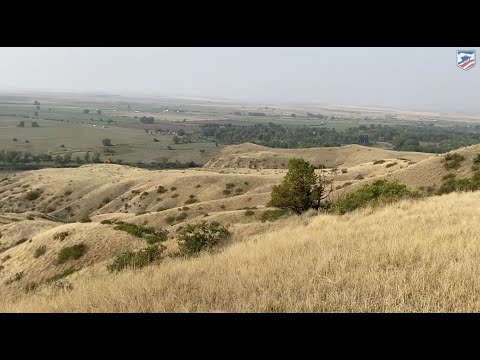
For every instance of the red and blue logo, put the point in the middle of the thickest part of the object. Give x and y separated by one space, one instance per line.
465 59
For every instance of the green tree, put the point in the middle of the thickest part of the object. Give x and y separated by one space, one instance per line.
36 159
176 139
35 114
301 189
99 112
36 102
107 142
21 124
35 124
96 157
86 111
86 158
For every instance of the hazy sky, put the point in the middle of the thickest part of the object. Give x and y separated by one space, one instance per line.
416 78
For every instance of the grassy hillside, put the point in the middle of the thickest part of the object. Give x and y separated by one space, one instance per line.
413 256
261 157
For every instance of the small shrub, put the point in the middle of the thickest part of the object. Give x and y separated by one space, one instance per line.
359 177
173 188
60 236
174 196
191 196
448 177
191 201
33 195
136 259
74 252
18 276
194 238
378 162
136 192
249 212
185 208
170 219
182 216
197 186
161 189
272 215
40 251
390 164
6 257
30 217
453 161
86 219
245 183
226 192
238 190
145 193
68 192
61 275
21 241
344 171
222 207
476 160
30 286
161 208
229 186
106 222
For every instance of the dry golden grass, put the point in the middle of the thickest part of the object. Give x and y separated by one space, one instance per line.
413 256
248 155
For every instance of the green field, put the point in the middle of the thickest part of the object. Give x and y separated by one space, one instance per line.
130 145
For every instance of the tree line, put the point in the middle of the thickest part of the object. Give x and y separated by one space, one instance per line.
422 138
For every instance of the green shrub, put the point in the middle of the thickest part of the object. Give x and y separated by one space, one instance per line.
40 251
194 238
185 208
249 212
106 222
222 207
173 188
74 252
390 164
61 275
136 259
359 177
197 186
151 235
161 189
60 236
145 193
30 217
229 185
344 171
238 190
86 219
273 215
6 257
161 208
191 201
226 192
33 195
379 192
378 162
453 161
174 196
68 192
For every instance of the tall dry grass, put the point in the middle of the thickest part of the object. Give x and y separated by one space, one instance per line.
413 256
